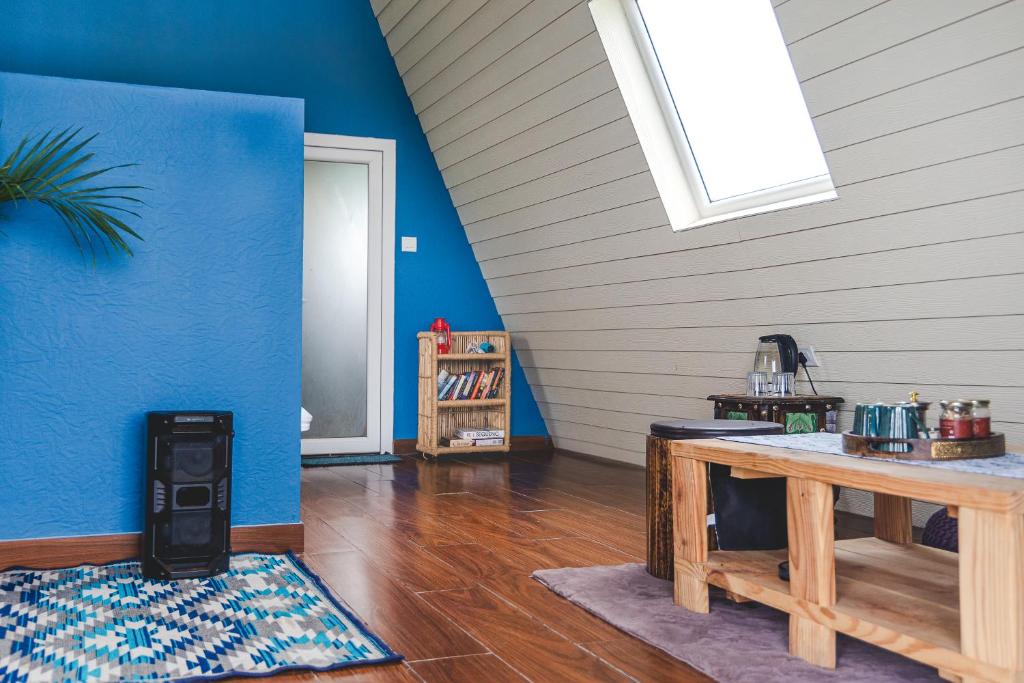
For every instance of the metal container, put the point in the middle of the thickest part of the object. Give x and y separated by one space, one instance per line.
889 422
922 414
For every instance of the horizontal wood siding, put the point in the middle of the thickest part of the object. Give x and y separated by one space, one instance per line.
910 280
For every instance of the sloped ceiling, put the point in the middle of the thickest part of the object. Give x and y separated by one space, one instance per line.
910 280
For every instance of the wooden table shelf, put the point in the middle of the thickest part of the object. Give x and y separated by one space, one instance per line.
885 593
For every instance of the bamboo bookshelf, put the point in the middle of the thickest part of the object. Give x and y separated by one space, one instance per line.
440 419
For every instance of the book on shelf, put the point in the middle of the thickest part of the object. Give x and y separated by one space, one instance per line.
499 377
484 387
456 443
475 434
479 385
466 379
488 442
458 388
449 384
472 385
467 388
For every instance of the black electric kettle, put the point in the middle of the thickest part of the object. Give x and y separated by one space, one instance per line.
776 353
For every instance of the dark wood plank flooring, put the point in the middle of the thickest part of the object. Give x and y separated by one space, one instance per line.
436 559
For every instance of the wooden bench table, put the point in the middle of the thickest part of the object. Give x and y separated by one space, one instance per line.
962 614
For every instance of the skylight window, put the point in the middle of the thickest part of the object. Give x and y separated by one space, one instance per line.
716 104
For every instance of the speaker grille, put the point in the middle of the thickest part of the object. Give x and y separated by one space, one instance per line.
191 533
192 460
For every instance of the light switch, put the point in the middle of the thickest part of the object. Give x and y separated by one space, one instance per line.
408 243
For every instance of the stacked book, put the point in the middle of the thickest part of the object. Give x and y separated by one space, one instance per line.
469 386
475 437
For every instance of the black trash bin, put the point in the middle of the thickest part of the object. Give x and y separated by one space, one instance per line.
750 514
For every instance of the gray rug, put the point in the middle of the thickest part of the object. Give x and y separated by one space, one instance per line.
734 643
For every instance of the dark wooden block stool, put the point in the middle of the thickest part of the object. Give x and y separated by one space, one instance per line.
659 478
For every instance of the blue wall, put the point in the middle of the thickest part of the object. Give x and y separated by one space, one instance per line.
332 54
206 315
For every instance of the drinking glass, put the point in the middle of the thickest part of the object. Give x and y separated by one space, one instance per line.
757 384
785 383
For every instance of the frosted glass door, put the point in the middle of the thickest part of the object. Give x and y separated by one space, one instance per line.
334 288
341 304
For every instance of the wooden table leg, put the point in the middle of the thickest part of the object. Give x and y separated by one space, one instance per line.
893 521
992 589
812 567
690 533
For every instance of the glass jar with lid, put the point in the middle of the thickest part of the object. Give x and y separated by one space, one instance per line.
956 421
981 418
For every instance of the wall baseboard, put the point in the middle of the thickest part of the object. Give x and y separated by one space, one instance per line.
600 459
404 447
519 444
44 553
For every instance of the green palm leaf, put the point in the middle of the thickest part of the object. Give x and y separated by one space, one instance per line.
46 170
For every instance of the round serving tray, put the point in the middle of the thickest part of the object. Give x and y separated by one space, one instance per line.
926 449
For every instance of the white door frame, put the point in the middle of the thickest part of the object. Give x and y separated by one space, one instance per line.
380 389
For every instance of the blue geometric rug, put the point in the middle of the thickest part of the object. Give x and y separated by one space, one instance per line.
268 614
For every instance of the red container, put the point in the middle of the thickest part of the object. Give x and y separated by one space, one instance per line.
956 422
956 429
444 335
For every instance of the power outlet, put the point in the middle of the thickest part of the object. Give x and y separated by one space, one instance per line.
812 358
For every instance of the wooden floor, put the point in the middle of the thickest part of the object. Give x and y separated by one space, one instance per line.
436 559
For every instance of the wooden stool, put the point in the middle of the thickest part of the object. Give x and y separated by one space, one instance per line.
660 560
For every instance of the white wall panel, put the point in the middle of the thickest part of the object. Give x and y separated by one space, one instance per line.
435 31
910 280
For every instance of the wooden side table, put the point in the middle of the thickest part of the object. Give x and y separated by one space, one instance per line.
797 414
962 614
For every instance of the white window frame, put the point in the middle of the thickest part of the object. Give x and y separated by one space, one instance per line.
662 135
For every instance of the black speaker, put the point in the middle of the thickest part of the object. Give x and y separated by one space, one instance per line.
188 494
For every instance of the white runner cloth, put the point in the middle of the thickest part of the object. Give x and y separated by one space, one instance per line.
1010 465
